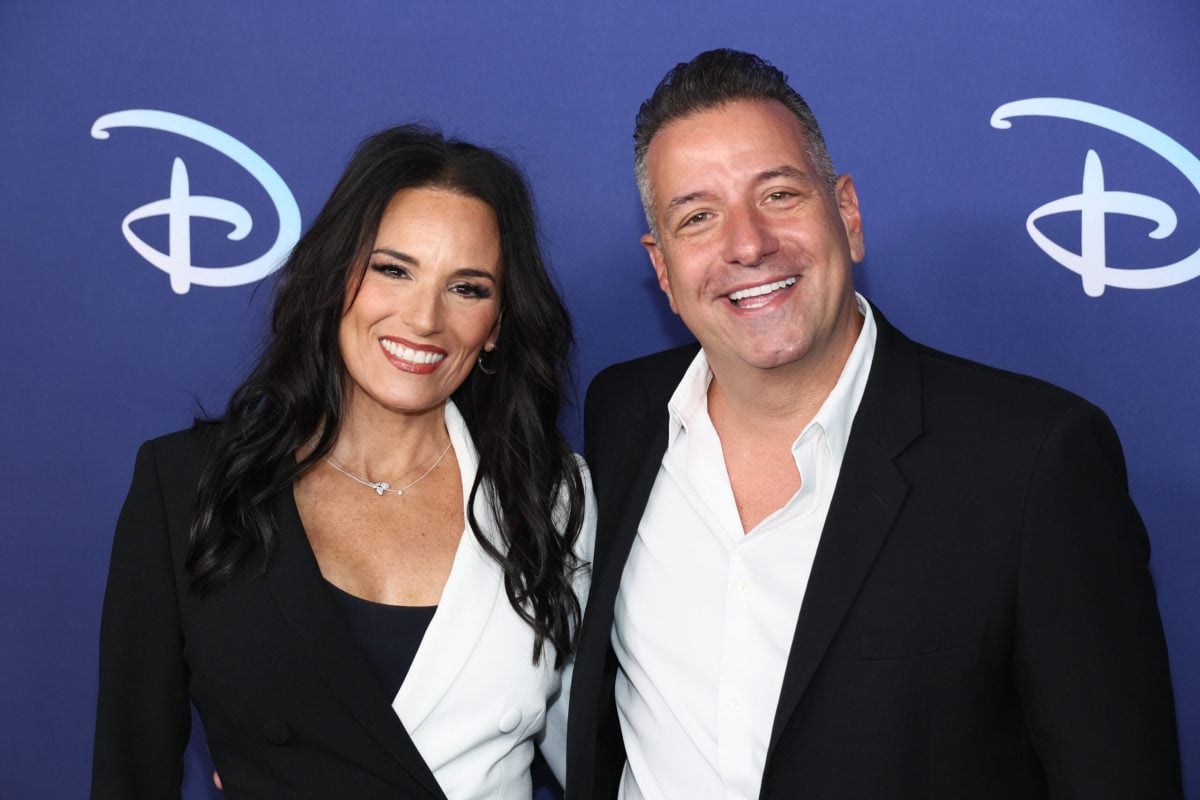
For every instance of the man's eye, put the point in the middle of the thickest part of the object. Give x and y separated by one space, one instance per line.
696 219
780 195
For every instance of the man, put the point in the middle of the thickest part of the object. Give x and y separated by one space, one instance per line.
831 562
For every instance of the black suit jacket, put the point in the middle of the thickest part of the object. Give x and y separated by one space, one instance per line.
290 705
979 621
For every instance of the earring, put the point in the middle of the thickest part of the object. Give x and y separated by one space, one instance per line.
482 368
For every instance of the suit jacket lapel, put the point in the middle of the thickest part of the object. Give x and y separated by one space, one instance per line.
472 590
313 618
869 494
621 493
625 466
636 472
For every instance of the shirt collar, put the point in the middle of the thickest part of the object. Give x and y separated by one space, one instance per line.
835 416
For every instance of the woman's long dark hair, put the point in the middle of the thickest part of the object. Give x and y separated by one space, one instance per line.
527 473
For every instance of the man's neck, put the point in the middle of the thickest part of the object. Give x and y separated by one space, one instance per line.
779 402
758 416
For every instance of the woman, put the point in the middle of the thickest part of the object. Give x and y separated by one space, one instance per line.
368 573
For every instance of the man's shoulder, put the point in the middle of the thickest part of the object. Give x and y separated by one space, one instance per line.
654 376
950 372
958 389
955 379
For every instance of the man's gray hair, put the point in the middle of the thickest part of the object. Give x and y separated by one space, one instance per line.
712 79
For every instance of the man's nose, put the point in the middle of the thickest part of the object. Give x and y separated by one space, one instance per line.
748 237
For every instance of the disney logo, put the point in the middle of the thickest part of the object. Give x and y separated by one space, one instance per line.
180 206
1094 201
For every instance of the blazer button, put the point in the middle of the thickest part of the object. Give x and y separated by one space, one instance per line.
277 731
510 720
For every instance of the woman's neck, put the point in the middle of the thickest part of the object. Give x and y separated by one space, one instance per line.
381 444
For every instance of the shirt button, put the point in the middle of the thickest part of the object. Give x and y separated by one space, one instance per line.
736 703
744 586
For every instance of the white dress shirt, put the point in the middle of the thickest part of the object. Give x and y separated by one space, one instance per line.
706 611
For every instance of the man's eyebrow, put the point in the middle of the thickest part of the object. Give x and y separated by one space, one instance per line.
684 199
782 171
398 255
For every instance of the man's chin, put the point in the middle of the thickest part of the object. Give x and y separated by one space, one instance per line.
763 360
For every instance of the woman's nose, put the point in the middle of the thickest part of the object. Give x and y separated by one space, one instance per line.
425 311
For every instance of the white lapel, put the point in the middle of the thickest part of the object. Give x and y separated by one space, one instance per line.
467 600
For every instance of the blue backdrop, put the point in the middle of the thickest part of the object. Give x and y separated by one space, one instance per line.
1009 244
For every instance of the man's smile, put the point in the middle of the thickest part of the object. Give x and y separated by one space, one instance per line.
760 295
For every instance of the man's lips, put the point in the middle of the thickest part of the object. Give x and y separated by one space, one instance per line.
760 294
410 356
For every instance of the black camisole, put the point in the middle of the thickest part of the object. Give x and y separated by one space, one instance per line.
388 635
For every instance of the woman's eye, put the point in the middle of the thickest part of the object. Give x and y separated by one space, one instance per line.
473 290
390 270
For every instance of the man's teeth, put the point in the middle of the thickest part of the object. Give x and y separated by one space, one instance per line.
766 288
408 354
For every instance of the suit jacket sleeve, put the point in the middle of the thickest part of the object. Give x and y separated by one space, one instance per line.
143 717
1090 657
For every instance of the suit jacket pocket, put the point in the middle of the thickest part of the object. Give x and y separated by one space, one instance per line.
876 646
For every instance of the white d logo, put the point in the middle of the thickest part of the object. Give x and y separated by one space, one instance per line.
1094 201
180 206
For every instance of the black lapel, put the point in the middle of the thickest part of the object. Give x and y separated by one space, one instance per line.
869 493
313 618
624 492
636 470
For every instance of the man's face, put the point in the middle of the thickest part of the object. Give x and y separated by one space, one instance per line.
752 251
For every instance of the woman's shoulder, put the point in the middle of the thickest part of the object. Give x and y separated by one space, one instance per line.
200 437
180 453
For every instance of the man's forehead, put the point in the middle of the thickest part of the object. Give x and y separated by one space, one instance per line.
746 127
756 140
788 172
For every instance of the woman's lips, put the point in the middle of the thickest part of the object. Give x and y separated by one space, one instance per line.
412 357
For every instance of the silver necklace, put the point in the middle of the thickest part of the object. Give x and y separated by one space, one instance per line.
381 487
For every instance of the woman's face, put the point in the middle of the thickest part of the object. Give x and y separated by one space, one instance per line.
428 303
